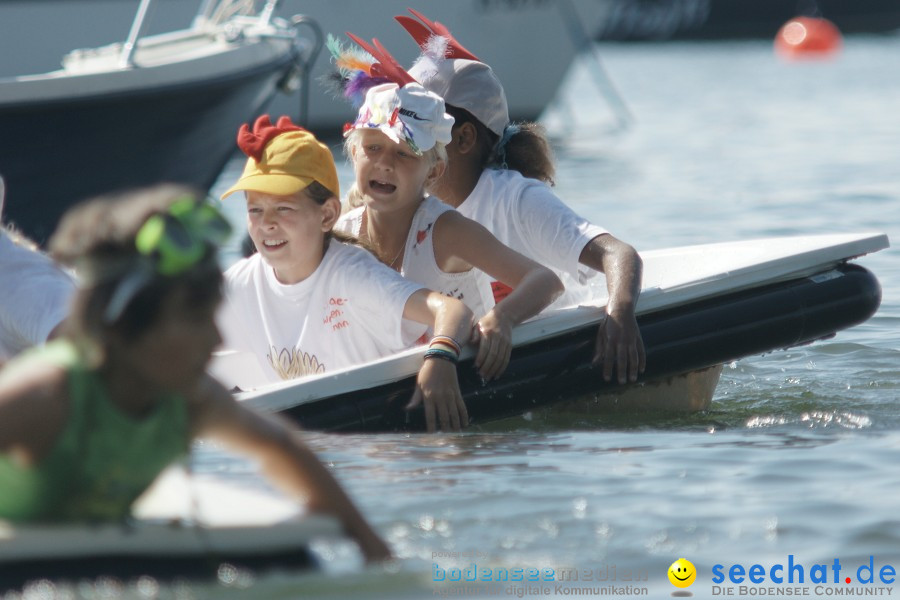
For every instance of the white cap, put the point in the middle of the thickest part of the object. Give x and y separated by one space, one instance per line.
467 84
409 113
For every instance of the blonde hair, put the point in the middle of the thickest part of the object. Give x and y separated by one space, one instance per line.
354 197
353 142
17 237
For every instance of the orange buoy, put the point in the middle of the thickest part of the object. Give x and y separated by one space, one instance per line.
808 37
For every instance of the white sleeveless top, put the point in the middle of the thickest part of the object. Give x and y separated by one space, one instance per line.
419 264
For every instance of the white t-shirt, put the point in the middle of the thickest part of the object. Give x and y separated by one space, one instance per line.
34 297
528 217
349 311
419 263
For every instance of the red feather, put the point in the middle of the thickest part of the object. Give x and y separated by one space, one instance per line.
387 65
420 33
253 143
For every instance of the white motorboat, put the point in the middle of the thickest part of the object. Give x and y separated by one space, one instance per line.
164 107
530 44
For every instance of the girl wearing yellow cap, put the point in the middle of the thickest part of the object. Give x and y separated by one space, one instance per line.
88 421
306 302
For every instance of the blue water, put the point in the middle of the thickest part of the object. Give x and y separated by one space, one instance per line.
799 452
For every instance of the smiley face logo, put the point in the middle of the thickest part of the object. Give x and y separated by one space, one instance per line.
682 573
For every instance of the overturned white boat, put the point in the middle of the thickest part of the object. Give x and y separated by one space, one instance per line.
700 306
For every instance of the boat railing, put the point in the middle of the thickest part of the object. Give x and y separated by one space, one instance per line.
305 61
241 15
137 27
237 18
213 12
220 11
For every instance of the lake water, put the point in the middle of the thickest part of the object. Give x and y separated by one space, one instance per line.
798 459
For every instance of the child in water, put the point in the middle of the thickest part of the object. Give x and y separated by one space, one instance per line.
499 173
88 421
309 303
397 145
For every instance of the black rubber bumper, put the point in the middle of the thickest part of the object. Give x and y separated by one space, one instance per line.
677 340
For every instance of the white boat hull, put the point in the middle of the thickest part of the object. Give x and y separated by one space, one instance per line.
700 306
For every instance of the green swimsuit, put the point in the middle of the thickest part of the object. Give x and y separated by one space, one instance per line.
103 459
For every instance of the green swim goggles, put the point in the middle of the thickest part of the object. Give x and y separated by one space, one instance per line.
172 242
178 239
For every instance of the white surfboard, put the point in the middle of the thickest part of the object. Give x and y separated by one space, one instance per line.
180 518
678 275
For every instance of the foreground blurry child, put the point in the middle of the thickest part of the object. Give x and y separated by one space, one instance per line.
307 303
397 148
88 421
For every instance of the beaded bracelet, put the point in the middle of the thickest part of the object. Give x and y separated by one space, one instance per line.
443 347
446 340
442 354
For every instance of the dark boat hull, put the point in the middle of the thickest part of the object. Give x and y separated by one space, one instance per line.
763 18
678 340
639 20
55 154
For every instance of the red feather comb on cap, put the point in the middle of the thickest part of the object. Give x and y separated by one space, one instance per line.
386 65
253 143
427 29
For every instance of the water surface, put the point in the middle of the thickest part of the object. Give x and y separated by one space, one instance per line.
798 453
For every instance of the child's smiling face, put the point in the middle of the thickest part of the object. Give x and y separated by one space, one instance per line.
289 231
390 175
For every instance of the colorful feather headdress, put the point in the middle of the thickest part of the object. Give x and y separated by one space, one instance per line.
363 67
391 100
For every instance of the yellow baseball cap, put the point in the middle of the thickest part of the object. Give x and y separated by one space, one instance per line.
283 159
